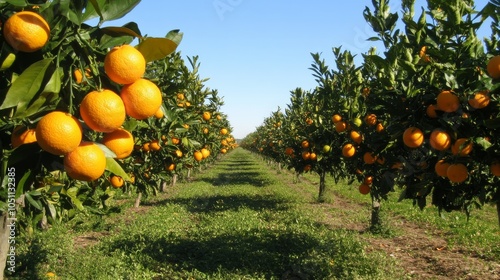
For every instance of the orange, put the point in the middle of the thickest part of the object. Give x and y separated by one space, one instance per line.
205 153
431 111
356 136
223 150
340 126
371 119
219 117
120 142
155 145
26 31
413 137
379 128
159 113
336 118
348 150
206 116
86 163
22 135
198 156
462 147
58 133
307 167
447 101
493 67
79 76
223 131
289 151
368 180
142 99
175 140
480 100
170 167
205 130
369 158
457 173
146 147
116 181
102 111
423 54
364 188
309 121
304 144
440 140
313 156
124 64
495 168
306 155
178 153
441 168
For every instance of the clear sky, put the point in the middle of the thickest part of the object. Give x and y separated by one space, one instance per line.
254 51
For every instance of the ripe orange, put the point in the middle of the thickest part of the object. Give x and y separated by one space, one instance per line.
22 135
364 188
480 100
457 173
413 137
495 168
493 67
441 168
356 137
175 140
379 128
124 64
170 167
348 150
306 155
116 181
309 121
78 75
431 111
26 31
307 167
223 150
289 151
159 113
120 141
462 147
155 145
146 147
205 130
304 144
340 126
447 101
423 54
142 99
102 111
205 153
58 133
368 180
223 131
86 163
206 116
440 139
178 153
198 156
369 158
336 118
313 156
371 119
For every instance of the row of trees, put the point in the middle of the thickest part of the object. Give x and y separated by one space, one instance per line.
187 132
422 115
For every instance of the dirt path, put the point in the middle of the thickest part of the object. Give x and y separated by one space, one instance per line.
421 251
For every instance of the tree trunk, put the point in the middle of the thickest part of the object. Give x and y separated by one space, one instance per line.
498 209
376 222
279 167
138 200
174 180
188 176
322 186
4 243
163 186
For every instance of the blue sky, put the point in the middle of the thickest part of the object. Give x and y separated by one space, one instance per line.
255 52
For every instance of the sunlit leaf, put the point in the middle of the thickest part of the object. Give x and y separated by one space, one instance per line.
156 48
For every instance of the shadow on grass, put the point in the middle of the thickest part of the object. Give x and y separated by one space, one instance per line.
219 203
251 178
268 253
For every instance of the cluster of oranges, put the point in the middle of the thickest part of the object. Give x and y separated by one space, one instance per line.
101 110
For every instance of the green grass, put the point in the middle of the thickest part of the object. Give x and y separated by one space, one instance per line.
237 220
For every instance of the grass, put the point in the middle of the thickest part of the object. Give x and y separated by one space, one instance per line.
237 220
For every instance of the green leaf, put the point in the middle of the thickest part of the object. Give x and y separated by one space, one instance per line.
22 182
72 193
27 85
130 29
48 94
115 168
156 48
33 202
52 211
109 10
